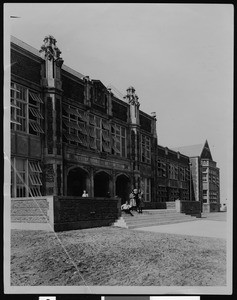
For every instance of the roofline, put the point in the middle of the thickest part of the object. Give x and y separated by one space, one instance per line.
173 150
36 52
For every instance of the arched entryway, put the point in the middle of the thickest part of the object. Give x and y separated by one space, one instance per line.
76 182
101 184
122 189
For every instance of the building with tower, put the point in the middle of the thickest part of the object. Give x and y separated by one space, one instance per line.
205 176
70 133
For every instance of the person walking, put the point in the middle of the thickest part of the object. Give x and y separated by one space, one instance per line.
141 204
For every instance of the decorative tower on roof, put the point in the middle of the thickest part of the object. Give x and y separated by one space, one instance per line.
132 99
50 51
53 62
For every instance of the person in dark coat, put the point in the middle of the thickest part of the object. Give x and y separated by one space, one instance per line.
141 202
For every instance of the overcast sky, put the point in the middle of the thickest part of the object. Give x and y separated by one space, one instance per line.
178 57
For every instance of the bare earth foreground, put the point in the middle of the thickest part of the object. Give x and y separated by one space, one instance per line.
116 256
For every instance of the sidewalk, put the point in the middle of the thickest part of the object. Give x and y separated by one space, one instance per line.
202 227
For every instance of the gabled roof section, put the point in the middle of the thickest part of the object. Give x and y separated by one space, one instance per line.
191 151
206 153
203 151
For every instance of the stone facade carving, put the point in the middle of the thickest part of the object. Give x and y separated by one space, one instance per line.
49 171
131 97
50 51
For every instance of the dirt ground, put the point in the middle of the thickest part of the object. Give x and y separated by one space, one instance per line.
115 256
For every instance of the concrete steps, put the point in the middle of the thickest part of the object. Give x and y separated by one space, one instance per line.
152 218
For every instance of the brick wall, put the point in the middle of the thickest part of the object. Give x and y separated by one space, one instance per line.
72 89
63 213
25 67
145 123
119 111
188 207
77 212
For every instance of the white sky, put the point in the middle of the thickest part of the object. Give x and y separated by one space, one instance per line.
178 57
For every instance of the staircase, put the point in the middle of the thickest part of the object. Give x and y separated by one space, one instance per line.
153 217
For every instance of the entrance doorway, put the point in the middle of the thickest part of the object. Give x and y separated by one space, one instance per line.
101 184
123 188
76 182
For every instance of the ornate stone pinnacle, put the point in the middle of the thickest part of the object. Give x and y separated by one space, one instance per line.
131 97
50 51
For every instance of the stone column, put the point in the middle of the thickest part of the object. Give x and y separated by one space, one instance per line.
154 157
52 89
132 100
91 191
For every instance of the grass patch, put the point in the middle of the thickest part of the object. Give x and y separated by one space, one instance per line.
116 256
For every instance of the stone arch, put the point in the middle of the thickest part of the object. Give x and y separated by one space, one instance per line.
123 187
77 181
102 183
76 167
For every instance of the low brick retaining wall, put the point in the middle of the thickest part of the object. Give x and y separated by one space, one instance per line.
192 208
63 213
212 207
77 212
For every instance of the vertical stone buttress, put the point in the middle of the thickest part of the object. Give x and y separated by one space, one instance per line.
87 92
154 159
132 100
52 91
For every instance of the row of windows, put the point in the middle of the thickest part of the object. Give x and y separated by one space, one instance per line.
211 178
174 171
210 171
25 178
25 110
93 132
90 131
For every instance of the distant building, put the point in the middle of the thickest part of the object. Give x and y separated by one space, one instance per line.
205 175
173 175
70 133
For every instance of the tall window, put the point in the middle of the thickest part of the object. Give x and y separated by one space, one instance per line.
181 174
187 174
118 140
147 189
161 167
25 178
173 172
145 149
18 107
74 126
106 147
25 110
98 133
